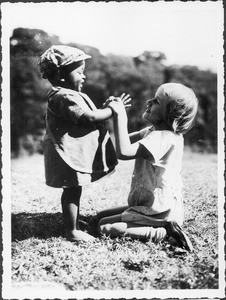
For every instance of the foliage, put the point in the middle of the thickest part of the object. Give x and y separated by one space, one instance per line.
106 75
204 84
41 254
28 92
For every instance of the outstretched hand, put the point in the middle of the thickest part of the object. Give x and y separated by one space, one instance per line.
125 99
118 104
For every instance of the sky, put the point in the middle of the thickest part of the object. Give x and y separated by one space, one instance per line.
189 33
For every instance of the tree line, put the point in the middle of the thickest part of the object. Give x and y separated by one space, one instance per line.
106 75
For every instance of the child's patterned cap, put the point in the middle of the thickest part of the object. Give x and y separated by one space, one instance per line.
58 56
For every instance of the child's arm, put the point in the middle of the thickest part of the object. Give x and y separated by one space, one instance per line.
96 115
124 149
137 135
105 112
134 136
110 127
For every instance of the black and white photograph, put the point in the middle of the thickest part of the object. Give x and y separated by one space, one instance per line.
113 150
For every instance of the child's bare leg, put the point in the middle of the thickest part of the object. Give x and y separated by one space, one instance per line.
111 212
110 220
146 233
70 201
93 222
114 227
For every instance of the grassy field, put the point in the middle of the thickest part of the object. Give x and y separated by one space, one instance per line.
41 254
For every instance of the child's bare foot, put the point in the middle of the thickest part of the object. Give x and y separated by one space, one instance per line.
78 236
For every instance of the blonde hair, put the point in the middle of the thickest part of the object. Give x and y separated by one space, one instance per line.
182 106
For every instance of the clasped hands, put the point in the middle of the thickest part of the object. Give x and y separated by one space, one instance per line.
118 104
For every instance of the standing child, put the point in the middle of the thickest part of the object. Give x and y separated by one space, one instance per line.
77 146
155 198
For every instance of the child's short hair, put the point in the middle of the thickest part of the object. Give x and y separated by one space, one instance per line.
58 57
182 106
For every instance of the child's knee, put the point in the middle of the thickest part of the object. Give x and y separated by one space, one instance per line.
104 228
114 230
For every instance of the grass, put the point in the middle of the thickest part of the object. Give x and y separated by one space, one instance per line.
41 254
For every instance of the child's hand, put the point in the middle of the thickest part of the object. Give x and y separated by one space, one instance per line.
125 100
105 104
117 106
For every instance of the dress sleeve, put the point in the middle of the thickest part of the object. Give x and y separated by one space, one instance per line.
157 143
67 106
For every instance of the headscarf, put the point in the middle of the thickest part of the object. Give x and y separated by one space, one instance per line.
57 57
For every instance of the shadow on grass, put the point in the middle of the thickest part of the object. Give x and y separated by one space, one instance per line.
38 225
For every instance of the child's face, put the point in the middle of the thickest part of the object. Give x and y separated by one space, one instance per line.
75 78
156 111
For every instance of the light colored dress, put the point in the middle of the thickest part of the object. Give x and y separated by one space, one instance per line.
156 189
75 154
